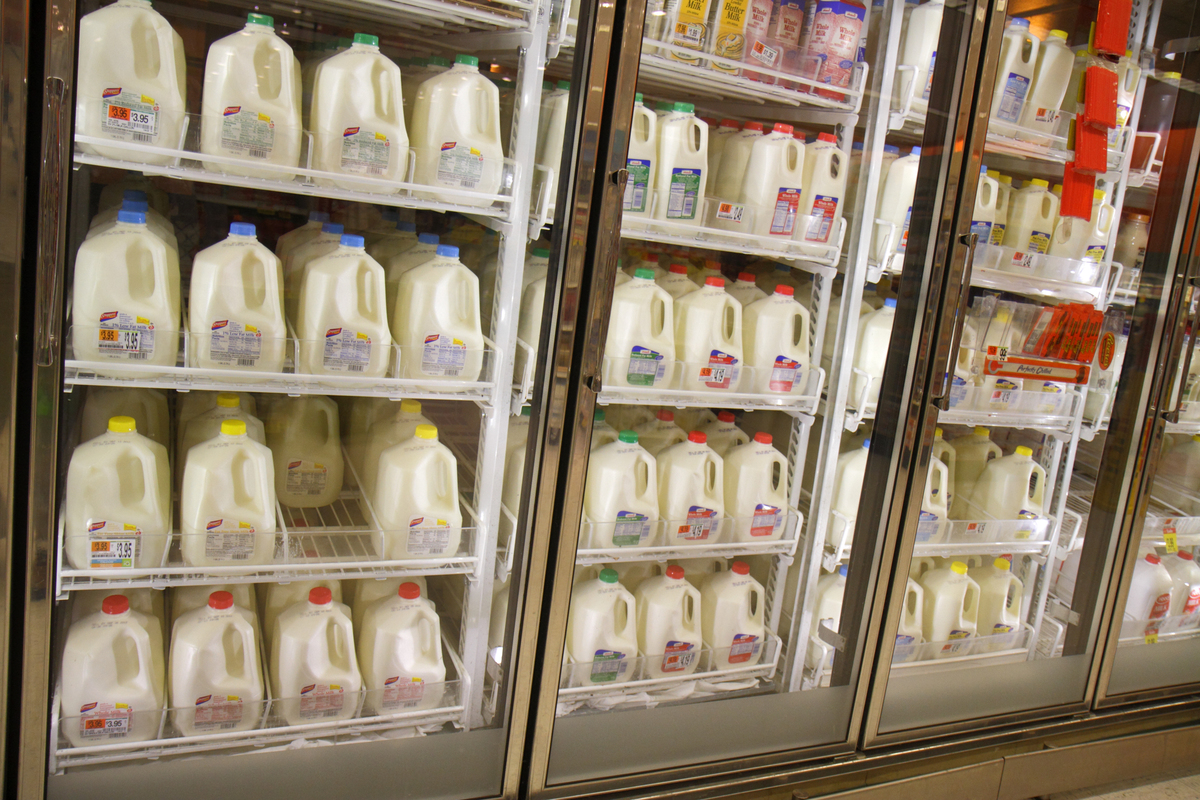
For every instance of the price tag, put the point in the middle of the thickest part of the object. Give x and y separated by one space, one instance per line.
1152 638
1171 542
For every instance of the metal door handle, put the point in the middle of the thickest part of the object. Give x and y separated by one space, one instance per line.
49 270
942 399
1173 416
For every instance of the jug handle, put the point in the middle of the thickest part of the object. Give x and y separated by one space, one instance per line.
249 646
141 640
943 478
799 148
757 616
331 423
630 629
703 128
1016 597
166 46
426 635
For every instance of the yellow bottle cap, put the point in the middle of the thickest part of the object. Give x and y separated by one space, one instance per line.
994 174
1057 34
122 425
1098 195
937 433
426 431
1172 75
959 567
228 400
410 406
981 431
1057 189
1006 180
233 427
1002 563
1195 436
1039 182
1022 450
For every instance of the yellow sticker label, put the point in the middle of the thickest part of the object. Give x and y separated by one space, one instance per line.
1151 638
1171 542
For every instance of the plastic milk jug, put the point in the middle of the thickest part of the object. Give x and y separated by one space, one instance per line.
895 204
1011 487
279 597
1181 464
529 323
118 508
951 604
831 587
235 308
1185 592
602 432
132 81
112 196
357 118
848 477
824 187
298 236
400 239
1014 74
919 50
189 405
620 497
676 282
295 264
510 490
135 200
972 453
228 501
314 671
745 291
1150 590
1085 239
660 433
724 434
400 652
691 488
550 143
456 133
987 193
1128 75
732 616
708 337
999 598
934 504
363 593
416 498
632 574
602 629
436 320
216 673
498 621
1031 215
1051 75
717 139
424 251
147 407
1003 197
776 331
113 676
668 624
125 297
191 598
342 324
912 616
734 158
874 337
640 348
943 451
696 570
756 490
773 181
207 425
682 159
144 600
302 433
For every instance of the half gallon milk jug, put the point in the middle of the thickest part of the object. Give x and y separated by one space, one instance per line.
620 497
342 324
776 331
279 597
1051 75
1185 591
732 616
400 652
708 337
125 297
416 498
943 451
668 624
756 490
113 677
147 407
191 598
435 321
235 308
734 158
1150 590
1018 59
302 433
745 291
640 348
289 241
660 433
550 143
1085 239
848 477
424 251
295 264
874 338
682 159
831 587
216 674
602 630
951 604
934 504
824 187
895 205
358 118
1011 487
250 107
1031 213
396 428
999 598
146 601
724 434
228 501
772 182
118 511
456 133
919 50
909 631
971 454
716 146
314 672
676 282
691 488
602 432
362 594
1003 198
132 81
987 193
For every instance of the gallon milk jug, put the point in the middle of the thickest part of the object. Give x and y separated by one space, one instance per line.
745 291
228 501
295 264
828 612
1003 196
710 269
191 598
943 451
302 433
235 308
1018 59
632 574
1031 215
895 205
874 337
435 321
456 133
999 598
147 407
112 196
682 159
529 324
602 432
984 215
660 433
342 324
676 282
640 348
135 200
357 118
400 652
971 454
668 624
146 601
510 491
951 605
550 143
1181 464
250 107
708 336
724 434
602 630
132 81
691 488
847 490
416 498
756 490
717 139
824 187
1011 487
696 570
314 672
934 504
776 331
113 677
912 616
118 508
1051 75
772 182
734 158
369 591
398 236
620 497
424 251
1150 590
289 241
207 425
279 597
125 297
1185 591
189 405
1085 239
216 674
732 615
919 50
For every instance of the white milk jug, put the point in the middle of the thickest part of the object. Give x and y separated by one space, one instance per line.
416 498
831 587
357 118
895 205
971 453
1150 590
1018 59
216 673
1185 591
776 331
660 433
909 631
424 251
289 241
697 570
113 677
400 652
723 433
824 187
676 281
191 598
550 142
987 193
848 477
529 324
668 624
1181 464
773 181
279 597
602 629
235 308
919 50
691 487
400 238
135 200
132 81
640 348
147 407
874 338
717 139
342 324
361 594
510 491
999 598
944 452
146 601
934 504
207 425
436 320
1051 75
620 497
1031 214
314 671
951 604
189 405
1085 240
397 426
756 490
1003 198
227 509
708 338
1011 487
682 159
118 508
632 574
113 195
732 616
302 433
734 158
745 291
295 263
602 432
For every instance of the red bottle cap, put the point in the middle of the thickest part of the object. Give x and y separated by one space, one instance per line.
1186 554
712 263
741 568
320 596
752 126
699 437
666 415
731 123
115 604
410 590
763 438
826 137
726 416
679 269
675 572
1153 559
220 600
715 281
748 277
785 290
782 127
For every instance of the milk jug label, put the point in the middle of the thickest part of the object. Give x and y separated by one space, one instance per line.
364 152
1015 88
112 545
306 478
635 186
631 529
745 646
1094 253
997 233
701 522
904 232
767 520
443 355
401 693
1046 115
783 217
678 656
129 115
218 712
958 391
685 188
927 526
459 165
607 665
104 720
247 132
1039 242
235 344
228 540
903 639
821 225
720 372
957 634
982 228
1000 627
126 335
646 367
1193 600
319 700
346 350
428 536
1162 604
929 76
784 373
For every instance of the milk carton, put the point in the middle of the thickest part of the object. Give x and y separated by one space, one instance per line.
987 193
833 45
895 205
1150 590
772 35
302 433
824 183
118 506
944 452
1003 198
1185 575
1051 74
909 629
132 83
296 262
708 336
424 251
950 604
207 425
660 433
1018 60
435 320
1011 487
400 652
279 597
723 433
999 598
1031 215
314 671
620 497
848 476
147 407
919 50
688 28
668 624
691 492
756 490
870 356
640 348
972 454
745 291
772 182
682 158
602 629
734 158
732 617
416 498
602 432
776 331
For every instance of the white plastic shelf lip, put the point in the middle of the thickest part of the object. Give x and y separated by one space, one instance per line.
1034 286
476 17
1159 631
678 398
1190 427
588 556
696 235
1018 409
1020 142
788 526
976 651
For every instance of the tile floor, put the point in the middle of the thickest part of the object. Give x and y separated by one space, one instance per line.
1183 785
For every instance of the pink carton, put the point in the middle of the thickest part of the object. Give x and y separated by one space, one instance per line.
772 29
833 46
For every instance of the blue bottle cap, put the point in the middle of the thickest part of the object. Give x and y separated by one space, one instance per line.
132 217
133 194
135 205
318 216
448 250
916 151
389 214
866 444
856 146
891 148
352 240
427 238
983 169
333 227
242 229
889 302
1020 22
842 570
405 227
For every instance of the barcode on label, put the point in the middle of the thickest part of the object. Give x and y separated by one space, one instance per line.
468 184
355 367
257 152
139 356
143 137
375 170
247 362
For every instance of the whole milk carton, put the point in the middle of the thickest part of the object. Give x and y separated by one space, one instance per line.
602 638
400 652
620 497
668 624
314 671
732 617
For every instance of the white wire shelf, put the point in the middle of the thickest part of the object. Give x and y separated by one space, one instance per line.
952 537
719 544
1049 277
971 652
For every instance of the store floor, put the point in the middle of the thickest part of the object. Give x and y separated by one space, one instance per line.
1183 785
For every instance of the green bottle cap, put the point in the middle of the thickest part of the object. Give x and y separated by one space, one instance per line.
437 61
547 86
637 98
470 61
642 272
343 43
598 416
261 19
688 107
366 38
609 575
541 252
526 411
629 437
564 85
